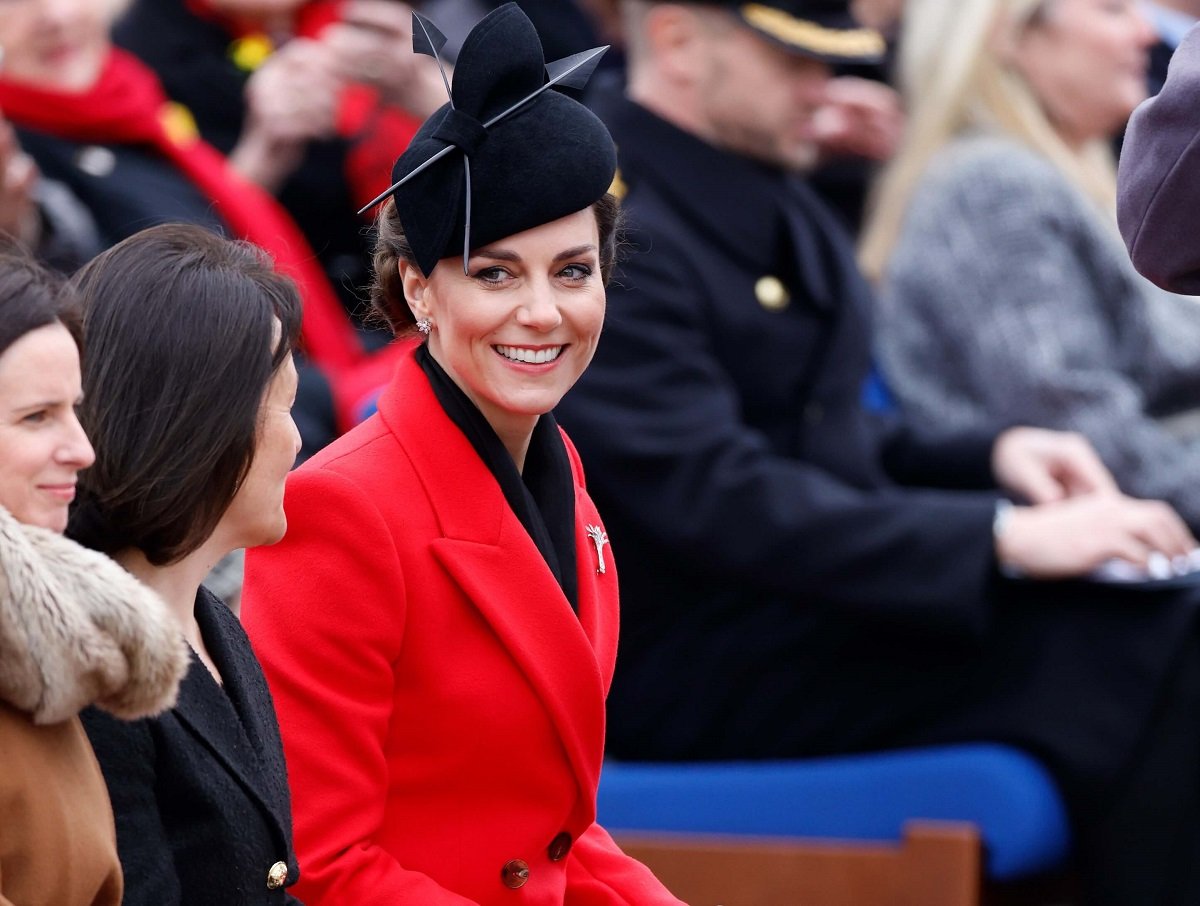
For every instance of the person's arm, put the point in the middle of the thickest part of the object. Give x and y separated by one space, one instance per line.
658 422
291 100
998 310
599 874
1158 182
325 611
127 757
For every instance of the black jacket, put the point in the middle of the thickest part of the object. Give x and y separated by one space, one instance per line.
200 793
724 431
790 583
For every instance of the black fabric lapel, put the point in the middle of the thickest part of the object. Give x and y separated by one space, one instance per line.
229 721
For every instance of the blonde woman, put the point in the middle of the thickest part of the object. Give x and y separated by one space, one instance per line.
1006 295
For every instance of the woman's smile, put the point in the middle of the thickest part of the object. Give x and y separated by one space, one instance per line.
531 355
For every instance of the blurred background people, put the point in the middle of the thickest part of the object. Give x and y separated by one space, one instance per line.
96 120
308 98
75 629
439 626
188 388
1005 293
802 578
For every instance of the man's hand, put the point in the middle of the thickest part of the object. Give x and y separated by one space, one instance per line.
1070 538
291 100
373 44
1046 466
19 220
859 118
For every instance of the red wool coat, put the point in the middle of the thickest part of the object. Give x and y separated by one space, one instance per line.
442 707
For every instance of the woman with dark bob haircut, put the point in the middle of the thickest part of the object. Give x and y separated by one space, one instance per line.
188 390
439 627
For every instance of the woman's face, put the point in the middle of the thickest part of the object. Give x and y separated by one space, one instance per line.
1086 61
255 516
518 331
58 44
42 446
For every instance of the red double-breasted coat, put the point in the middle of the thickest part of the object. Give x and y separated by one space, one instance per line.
442 706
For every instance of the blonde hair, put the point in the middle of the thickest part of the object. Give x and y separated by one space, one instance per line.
955 78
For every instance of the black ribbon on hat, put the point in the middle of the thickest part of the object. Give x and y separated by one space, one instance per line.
544 155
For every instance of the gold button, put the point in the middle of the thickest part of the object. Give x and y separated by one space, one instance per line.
771 293
515 873
277 876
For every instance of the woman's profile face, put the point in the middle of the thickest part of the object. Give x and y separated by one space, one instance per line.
56 44
255 516
42 446
1086 61
518 330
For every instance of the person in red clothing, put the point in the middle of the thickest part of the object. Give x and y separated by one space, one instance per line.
311 100
439 625
96 119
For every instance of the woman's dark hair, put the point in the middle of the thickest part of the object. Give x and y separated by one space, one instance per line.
32 297
183 343
391 247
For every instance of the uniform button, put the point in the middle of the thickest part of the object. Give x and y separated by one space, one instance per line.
771 293
515 873
277 876
559 847
96 160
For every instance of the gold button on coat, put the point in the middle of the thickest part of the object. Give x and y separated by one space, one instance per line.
277 876
771 293
559 847
515 873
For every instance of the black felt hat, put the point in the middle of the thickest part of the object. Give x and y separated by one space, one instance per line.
823 29
505 154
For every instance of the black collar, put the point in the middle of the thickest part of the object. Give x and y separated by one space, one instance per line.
542 496
764 218
722 194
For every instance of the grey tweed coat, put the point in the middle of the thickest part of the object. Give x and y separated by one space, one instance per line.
1009 299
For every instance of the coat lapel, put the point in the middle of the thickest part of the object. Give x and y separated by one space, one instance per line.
491 558
226 722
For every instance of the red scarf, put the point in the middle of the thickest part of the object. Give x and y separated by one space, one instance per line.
127 105
377 134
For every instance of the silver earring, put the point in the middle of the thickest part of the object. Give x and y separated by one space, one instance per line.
424 325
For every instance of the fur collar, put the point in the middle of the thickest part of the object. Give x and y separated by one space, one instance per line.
76 630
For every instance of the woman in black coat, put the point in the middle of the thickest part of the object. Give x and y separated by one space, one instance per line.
187 393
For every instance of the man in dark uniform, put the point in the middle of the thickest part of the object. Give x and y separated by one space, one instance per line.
797 580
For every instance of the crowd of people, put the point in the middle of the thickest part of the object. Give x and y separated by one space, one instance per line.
803 329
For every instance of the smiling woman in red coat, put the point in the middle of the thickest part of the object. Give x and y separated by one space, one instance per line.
439 626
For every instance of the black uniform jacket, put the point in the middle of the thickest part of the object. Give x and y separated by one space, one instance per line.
790 583
124 187
200 793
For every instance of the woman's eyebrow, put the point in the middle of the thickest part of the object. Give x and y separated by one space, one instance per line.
497 254
575 252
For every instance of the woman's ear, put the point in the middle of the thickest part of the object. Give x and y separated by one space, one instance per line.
415 289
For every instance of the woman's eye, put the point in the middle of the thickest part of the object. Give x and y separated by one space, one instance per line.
576 272
35 418
491 274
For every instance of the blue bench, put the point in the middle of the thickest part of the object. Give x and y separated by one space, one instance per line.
1005 793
